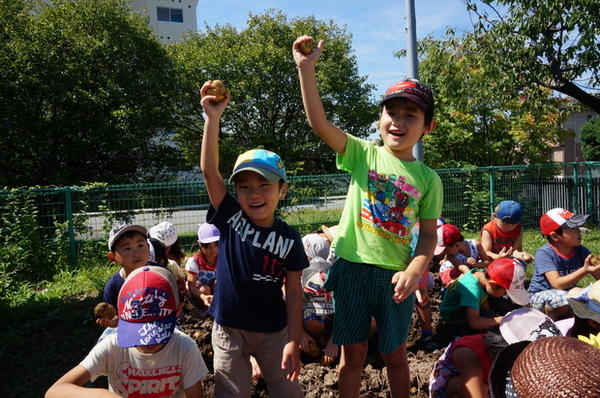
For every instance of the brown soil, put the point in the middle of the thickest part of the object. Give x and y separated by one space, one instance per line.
322 381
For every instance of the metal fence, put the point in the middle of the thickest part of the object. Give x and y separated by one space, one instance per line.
470 196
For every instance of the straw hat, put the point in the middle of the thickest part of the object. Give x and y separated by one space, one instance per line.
546 368
585 303
330 232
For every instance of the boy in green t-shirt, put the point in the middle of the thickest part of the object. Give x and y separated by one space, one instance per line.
467 296
376 274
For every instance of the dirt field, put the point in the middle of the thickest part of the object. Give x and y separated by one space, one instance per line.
320 381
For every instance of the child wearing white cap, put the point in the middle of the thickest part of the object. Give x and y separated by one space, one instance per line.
201 267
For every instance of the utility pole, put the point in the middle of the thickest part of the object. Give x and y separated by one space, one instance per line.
412 56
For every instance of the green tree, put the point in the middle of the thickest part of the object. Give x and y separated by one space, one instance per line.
482 120
551 43
87 94
590 135
266 108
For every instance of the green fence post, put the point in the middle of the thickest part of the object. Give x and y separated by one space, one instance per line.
589 193
575 192
70 229
492 171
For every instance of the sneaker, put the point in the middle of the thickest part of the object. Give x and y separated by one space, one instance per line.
428 344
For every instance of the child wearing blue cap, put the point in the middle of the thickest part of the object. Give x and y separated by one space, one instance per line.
147 357
258 254
503 235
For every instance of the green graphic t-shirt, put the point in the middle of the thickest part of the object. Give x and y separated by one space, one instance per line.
386 197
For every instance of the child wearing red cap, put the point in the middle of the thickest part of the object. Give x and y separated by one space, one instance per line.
389 192
466 297
147 357
560 263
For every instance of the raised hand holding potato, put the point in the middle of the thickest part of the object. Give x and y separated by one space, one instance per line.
217 88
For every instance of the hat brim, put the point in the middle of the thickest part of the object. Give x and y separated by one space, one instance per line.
439 250
327 231
576 221
209 240
502 365
136 334
417 100
269 175
518 296
133 227
582 310
511 220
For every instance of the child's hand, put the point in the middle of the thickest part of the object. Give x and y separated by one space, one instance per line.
406 284
290 360
210 108
300 58
505 252
330 353
108 323
256 372
305 340
591 264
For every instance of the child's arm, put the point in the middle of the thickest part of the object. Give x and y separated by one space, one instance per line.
70 385
406 281
479 322
209 153
568 281
195 391
469 365
293 301
486 245
330 134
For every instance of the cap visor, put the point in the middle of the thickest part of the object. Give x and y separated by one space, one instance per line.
519 296
410 97
135 334
511 220
210 240
576 221
439 250
583 310
269 175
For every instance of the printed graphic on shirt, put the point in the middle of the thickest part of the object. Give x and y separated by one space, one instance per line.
147 383
278 247
389 205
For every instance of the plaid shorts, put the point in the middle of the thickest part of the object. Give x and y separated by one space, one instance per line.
553 298
362 292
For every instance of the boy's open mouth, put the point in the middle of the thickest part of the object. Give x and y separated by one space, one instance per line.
396 133
256 206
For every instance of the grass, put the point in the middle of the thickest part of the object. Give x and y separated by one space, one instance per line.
50 326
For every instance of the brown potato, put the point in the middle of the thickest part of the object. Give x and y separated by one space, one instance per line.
217 88
313 349
306 47
105 310
595 259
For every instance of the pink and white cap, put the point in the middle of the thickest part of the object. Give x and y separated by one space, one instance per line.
559 217
527 324
510 274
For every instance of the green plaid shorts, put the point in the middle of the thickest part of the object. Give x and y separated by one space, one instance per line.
362 292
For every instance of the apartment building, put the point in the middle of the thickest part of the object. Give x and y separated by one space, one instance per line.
169 19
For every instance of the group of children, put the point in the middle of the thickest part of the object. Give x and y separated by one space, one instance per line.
277 293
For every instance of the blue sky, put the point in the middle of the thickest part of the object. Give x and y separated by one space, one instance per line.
378 27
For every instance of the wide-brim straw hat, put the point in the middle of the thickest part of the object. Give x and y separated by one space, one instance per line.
546 368
330 232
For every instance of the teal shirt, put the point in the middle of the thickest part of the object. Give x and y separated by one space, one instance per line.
464 292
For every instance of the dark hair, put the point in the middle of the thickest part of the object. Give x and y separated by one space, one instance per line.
175 253
160 252
558 231
494 343
428 112
582 327
128 234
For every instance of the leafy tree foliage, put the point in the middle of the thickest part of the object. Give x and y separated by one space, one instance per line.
551 43
482 120
86 92
590 135
266 108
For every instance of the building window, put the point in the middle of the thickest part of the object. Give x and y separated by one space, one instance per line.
169 14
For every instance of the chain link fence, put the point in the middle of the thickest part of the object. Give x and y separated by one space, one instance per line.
470 195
